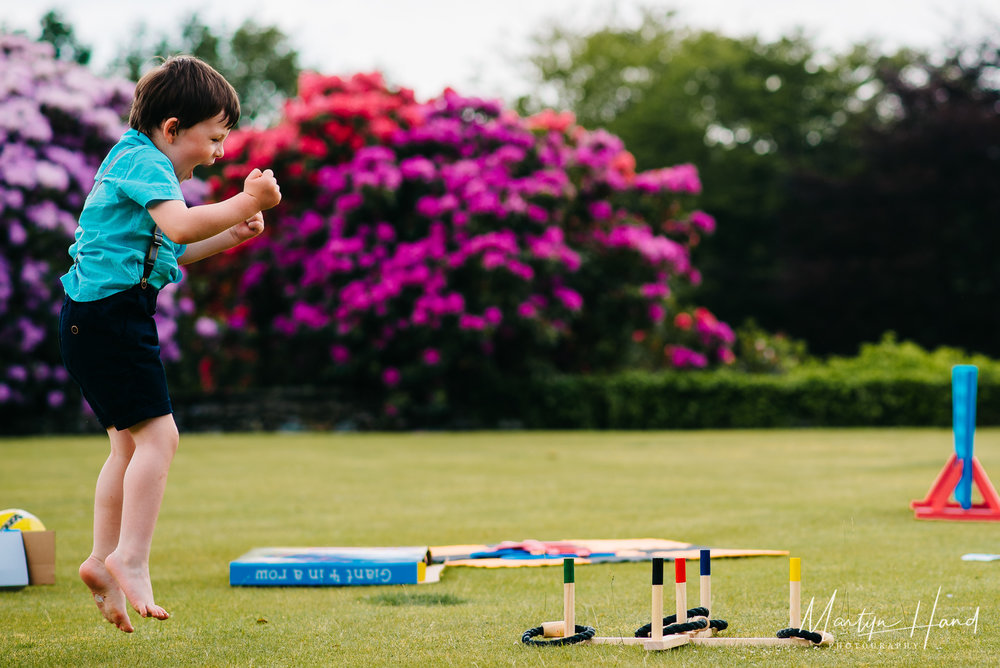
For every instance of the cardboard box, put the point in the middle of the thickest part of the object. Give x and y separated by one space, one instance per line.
40 550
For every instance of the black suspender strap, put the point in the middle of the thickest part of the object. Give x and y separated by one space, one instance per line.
151 253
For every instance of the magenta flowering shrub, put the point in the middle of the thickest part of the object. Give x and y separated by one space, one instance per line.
468 248
57 122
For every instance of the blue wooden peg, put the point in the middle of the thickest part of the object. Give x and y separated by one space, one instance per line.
963 403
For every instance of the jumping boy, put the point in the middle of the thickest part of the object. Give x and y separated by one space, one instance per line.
181 115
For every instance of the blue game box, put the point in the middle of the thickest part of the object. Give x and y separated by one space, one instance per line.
333 566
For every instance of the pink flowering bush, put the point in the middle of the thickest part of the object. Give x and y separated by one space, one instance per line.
57 122
455 249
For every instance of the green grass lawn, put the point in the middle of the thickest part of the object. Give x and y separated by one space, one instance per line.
837 499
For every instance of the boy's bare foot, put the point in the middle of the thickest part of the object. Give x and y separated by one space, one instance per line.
134 581
107 594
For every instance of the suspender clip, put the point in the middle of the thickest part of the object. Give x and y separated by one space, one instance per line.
151 253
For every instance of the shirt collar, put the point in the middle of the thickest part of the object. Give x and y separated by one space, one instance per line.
134 135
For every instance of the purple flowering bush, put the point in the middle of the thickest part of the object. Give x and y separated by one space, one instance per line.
457 250
57 122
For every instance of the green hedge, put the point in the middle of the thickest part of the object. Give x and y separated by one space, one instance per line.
725 400
886 384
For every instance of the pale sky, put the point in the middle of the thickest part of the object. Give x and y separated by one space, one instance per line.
478 47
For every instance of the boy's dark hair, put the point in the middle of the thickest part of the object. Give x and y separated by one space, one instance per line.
186 88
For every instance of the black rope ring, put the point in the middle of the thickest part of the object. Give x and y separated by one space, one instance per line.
582 633
644 631
811 636
684 627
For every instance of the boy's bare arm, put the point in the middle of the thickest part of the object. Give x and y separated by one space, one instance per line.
184 225
224 240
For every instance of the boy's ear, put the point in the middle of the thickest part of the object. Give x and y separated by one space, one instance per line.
170 128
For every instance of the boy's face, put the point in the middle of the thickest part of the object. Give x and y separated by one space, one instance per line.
200 144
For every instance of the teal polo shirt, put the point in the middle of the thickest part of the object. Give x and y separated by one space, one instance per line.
115 228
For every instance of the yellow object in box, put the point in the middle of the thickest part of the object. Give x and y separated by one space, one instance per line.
15 518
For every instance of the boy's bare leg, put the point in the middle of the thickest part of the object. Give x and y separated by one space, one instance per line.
107 520
144 483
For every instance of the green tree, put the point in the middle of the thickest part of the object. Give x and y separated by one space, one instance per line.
749 114
908 243
62 36
258 61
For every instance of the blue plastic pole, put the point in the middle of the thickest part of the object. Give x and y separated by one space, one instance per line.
964 378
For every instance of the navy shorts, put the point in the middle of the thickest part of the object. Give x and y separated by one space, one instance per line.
111 349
